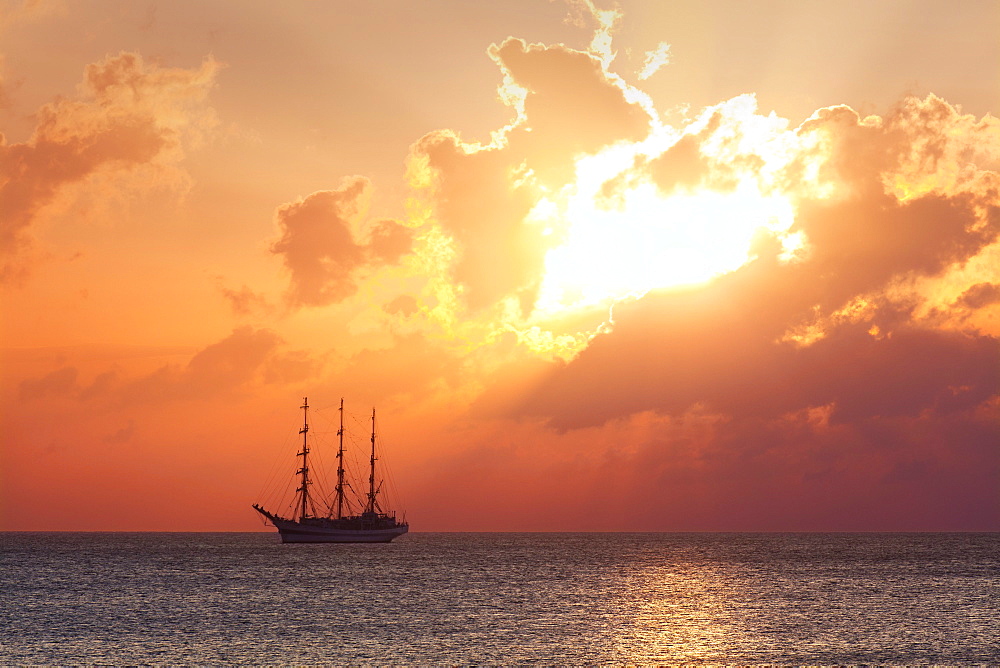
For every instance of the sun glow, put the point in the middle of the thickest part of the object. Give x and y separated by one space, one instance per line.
645 240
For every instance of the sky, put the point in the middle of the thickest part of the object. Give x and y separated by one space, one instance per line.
644 266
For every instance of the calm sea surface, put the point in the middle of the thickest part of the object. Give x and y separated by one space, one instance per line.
465 598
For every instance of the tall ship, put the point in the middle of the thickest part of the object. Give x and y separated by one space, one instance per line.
314 519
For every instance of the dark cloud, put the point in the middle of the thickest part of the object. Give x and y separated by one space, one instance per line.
710 155
572 106
980 295
59 382
244 301
723 347
231 362
246 357
858 244
705 471
682 165
243 358
389 242
318 246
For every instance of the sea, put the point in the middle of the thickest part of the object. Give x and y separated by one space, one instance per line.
501 598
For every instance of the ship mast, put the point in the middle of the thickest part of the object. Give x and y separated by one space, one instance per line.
304 471
340 464
371 476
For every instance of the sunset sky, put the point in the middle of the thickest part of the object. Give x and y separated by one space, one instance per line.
657 266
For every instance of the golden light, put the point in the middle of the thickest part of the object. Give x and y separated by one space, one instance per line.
644 240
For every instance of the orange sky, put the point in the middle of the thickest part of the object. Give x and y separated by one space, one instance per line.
650 266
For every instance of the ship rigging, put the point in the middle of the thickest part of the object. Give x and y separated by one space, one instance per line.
318 520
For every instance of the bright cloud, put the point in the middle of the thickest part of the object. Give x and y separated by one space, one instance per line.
655 60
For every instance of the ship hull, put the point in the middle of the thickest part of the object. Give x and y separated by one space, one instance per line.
293 532
317 530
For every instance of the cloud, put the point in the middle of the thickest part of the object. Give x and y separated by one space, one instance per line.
482 195
819 374
558 83
389 242
704 471
59 382
247 358
980 295
318 245
127 113
231 362
723 346
654 61
243 359
923 146
245 301
477 202
835 222
681 166
122 435
858 245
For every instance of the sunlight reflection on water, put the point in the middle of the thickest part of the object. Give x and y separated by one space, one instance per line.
679 614
501 598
